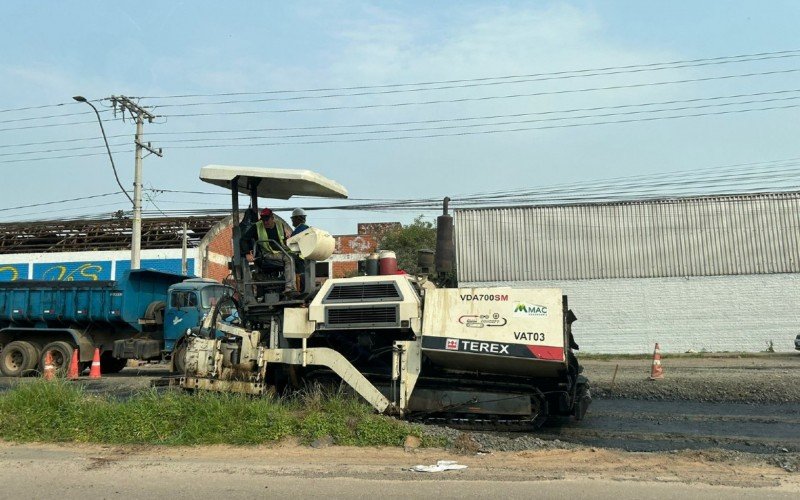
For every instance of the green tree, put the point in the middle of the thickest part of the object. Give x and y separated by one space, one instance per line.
407 240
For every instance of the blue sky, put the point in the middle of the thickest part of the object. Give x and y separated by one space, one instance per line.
50 51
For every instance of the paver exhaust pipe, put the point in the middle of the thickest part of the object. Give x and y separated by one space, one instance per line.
445 247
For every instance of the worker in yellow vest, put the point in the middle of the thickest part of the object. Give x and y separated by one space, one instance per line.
272 233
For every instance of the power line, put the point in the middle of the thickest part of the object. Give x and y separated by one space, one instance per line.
482 132
49 117
476 125
571 197
774 170
731 170
742 175
41 151
429 136
177 141
58 201
61 141
150 199
61 217
164 190
64 156
438 101
411 122
43 106
48 125
484 117
449 87
488 98
788 53
57 141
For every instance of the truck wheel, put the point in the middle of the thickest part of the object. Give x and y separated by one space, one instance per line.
61 353
36 349
179 358
110 364
17 358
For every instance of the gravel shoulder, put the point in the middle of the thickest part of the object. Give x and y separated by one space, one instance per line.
751 379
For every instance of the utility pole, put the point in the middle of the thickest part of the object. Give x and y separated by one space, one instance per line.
184 244
140 114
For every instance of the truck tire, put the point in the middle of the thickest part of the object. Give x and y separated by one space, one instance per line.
61 353
179 358
36 349
110 364
18 358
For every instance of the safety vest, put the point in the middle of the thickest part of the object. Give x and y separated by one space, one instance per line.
263 236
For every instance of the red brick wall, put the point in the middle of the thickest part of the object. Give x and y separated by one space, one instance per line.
216 271
362 243
222 243
344 269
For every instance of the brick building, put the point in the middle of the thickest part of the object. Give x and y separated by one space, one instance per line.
99 250
352 248
216 249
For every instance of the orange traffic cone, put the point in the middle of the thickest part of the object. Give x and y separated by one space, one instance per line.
72 373
49 371
95 370
657 371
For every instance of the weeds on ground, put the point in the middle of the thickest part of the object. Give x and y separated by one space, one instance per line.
58 411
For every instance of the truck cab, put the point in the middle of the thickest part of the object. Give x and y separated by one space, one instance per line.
187 306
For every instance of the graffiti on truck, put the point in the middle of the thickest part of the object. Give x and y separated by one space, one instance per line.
72 271
9 273
84 272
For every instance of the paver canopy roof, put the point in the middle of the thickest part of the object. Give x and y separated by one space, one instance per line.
275 183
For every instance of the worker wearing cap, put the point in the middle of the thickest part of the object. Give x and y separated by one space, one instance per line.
299 221
272 233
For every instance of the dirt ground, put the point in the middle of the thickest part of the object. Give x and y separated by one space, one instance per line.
246 472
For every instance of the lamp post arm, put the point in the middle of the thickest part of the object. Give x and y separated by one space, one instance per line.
108 149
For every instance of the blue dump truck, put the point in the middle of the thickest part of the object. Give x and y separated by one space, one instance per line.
142 316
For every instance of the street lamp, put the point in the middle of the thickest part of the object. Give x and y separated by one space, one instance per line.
80 98
136 233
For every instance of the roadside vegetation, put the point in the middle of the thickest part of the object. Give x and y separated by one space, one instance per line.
59 411
406 241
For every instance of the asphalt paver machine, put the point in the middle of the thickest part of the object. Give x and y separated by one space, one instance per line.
413 346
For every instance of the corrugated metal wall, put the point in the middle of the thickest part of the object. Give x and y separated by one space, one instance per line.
710 236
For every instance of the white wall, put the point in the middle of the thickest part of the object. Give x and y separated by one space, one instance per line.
716 313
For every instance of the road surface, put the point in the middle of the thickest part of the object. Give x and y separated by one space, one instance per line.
82 471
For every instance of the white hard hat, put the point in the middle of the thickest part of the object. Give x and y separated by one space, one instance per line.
298 212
